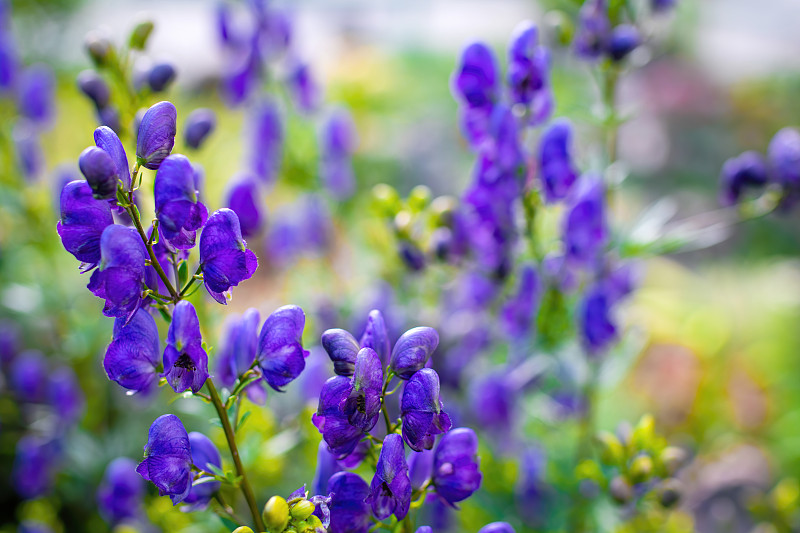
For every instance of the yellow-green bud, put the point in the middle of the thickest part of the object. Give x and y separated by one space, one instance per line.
402 223
620 490
611 450
141 32
559 26
302 510
641 468
386 199
672 458
314 521
419 198
99 48
243 529
276 514
644 433
442 208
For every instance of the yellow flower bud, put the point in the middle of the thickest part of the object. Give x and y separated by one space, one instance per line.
302 510
276 514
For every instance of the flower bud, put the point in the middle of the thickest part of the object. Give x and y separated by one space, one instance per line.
302 510
99 169
624 40
386 199
95 87
403 223
314 522
242 529
442 208
199 124
641 468
276 514
156 135
669 492
611 452
559 26
160 76
620 490
412 350
98 46
419 198
140 34
672 458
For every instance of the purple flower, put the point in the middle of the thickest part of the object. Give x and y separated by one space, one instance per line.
185 360
597 324
376 336
9 62
747 171
204 453
327 466
492 402
244 199
555 160
266 141
160 76
455 465
281 356
340 436
83 220
180 213
156 135
518 314
624 39
304 89
497 527
337 143
65 395
591 38
424 529
109 117
660 6
28 149
349 512
531 490
238 351
420 467
121 492
132 357
100 172
94 87
29 376
108 141
585 231
363 403
475 79
224 256
343 349
168 458
199 124
421 409
35 91
784 160
412 350
390 490
35 465
528 76
119 279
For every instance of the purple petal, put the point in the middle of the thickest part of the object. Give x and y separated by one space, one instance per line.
156 135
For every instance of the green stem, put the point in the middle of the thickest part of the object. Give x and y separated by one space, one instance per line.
389 376
231 438
134 214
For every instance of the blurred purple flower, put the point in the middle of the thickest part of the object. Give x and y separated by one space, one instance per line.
35 465
585 230
528 72
36 93
243 197
29 376
204 453
519 312
747 171
199 125
265 140
338 141
121 493
594 28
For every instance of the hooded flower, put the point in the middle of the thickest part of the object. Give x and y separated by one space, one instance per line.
518 314
420 468
280 349
412 350
390 490
376 336
304 89
29 376
585 230
747 171
108 141
784 160
224 256
244 199
338 142
94 87
266 141
624 40
119 279
455 465
83 220
591 37
132 357
35 91
35 465
475 85
340 436
327 466
555 160
349 512
121 492
65 396
156 135
180 212
528 72
492 401
421 410
238 351
199 125
343 349
168 458
185 360
204 453
99 170
363 403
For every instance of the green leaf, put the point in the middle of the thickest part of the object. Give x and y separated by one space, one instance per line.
242 420
217 470
183 274
215 422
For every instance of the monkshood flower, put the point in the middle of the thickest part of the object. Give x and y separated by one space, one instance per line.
528 73
596 315
340 436
475 85
238 351
8 59
376 336
747 171
265 140
180 213
120 276
501 151
497 527
108 141
784 160
343 349
519 311
492 401
133 355
243 74
244 198
591 37
420 468
424 529
337 143
390 490
363 402
585 231
9 343
204 453
185 360
660 6
349 512
156 135
455 465
160 77
100 172
29 376
327 466
35 93
28 149
94 87
280 355
555 160
109 116
199 125
168 458
304 89
35 465
624 39
224 256
531 491
412 350
421 410
65 396
121 492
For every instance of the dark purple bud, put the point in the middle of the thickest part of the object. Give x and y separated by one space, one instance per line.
108 141
83 220
199 125
29 377
156 135
327 466
244 199
349 512
475 79
528 72
35 466
265 141
555 160
497 527
343 349
100 172
596 319
585 231
119 279
390 490
747 171
420 468
238 347
121 493
224 256
304 89
178 208
109 116
204 453
280 348
94 87
363 403
784 158
185 360
168 458
65 396
35 91
421 410
133 355
376 336
412 256
340 436
337 144
455 465
519 312
412 350
624 39
592 35
160 77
